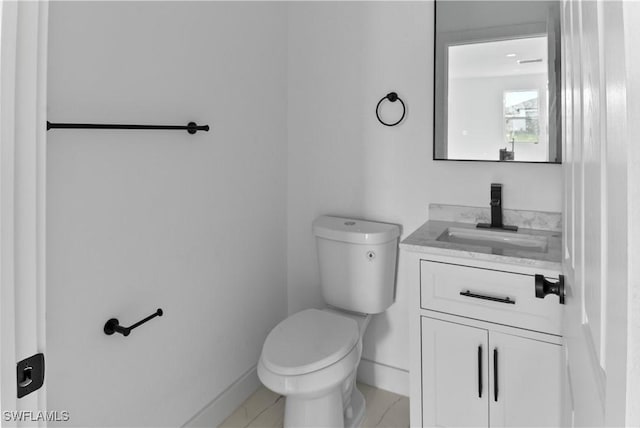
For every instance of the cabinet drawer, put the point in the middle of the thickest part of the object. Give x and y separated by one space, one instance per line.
491 295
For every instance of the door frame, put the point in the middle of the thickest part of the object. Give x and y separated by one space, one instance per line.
23 62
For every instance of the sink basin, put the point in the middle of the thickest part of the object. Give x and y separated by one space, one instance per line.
495 239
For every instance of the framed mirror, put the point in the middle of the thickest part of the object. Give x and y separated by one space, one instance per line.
497 81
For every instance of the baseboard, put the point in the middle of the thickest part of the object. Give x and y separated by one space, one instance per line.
214 413
384 377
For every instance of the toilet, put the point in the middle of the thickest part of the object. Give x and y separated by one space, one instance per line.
312 357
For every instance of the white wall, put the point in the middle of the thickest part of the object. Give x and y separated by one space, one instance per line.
195 225
344 57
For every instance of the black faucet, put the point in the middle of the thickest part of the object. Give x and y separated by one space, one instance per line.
496 211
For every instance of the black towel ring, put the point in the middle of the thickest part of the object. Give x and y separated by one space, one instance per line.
393 97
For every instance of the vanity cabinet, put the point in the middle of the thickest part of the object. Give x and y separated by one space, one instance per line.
485 350
475 376
496 295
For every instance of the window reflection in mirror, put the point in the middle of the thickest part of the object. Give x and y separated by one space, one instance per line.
496 87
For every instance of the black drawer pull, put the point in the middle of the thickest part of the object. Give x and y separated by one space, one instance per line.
495 374
483 297
480 371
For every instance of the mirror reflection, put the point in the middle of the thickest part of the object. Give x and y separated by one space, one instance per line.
497 81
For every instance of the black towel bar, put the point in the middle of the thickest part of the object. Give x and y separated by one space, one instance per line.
191 127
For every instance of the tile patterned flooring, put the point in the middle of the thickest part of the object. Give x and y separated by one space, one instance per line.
265 409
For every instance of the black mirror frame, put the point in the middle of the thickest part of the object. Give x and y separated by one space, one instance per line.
559 105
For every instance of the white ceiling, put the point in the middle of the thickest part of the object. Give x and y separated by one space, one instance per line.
490 58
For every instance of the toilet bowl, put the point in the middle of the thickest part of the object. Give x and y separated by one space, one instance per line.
312 358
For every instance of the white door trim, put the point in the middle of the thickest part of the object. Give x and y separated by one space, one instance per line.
23 50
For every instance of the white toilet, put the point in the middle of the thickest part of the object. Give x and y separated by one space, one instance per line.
312 356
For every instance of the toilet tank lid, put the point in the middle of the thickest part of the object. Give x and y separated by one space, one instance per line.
354 231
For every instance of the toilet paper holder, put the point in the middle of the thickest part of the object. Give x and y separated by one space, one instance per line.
113 325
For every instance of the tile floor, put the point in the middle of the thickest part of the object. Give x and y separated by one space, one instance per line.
265 409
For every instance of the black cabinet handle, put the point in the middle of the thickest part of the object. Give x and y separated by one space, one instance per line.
113 325
480 371
544 287
495 374
491 298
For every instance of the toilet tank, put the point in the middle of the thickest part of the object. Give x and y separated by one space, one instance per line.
357 260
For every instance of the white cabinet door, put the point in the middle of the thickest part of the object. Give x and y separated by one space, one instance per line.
454 374
527 374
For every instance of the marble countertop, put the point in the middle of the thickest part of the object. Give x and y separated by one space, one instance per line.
424 240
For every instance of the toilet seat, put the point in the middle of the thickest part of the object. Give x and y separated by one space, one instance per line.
308 341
